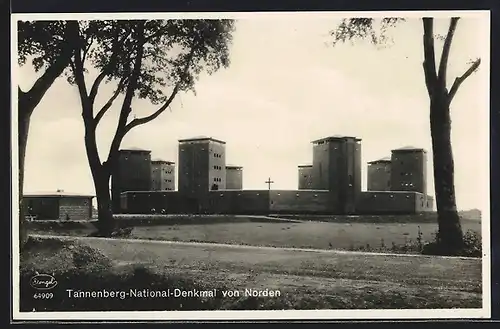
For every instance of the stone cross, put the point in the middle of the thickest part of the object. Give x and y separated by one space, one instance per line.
269 182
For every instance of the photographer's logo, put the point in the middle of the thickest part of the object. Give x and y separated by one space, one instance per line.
43 282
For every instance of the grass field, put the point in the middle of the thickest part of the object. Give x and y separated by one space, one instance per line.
324 279
318 235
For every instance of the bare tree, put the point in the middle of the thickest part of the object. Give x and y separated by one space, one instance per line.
450 235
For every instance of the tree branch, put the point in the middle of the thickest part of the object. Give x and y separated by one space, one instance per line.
108 104
443 65
140 121
129 94
429 56
78 70
461 79
151 117
72 65
96 84
112 61
89 41
30 99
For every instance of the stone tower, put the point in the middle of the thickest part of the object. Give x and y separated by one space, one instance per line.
379 175
409 169
162 175
337 168
202 165
132 172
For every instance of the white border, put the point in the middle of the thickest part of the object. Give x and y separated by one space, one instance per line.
485 312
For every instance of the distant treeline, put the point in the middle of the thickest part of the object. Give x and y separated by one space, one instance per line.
472 214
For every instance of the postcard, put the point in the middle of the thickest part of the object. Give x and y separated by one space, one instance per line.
264 165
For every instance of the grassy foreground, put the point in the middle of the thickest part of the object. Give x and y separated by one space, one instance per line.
305 279
318 235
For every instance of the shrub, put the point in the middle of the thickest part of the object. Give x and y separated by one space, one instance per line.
90 260
50 244
119 232
472 246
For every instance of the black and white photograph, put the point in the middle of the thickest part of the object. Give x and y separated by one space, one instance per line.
258 165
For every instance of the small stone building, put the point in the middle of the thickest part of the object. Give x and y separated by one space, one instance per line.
58 205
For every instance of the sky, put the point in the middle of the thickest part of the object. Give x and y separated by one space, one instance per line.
286 86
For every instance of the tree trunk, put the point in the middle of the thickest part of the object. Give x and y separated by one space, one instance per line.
101 176
24 116
27 102
106 223
450 235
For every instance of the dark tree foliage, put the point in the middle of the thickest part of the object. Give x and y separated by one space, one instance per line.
40 41
153 60
450 235
364 28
